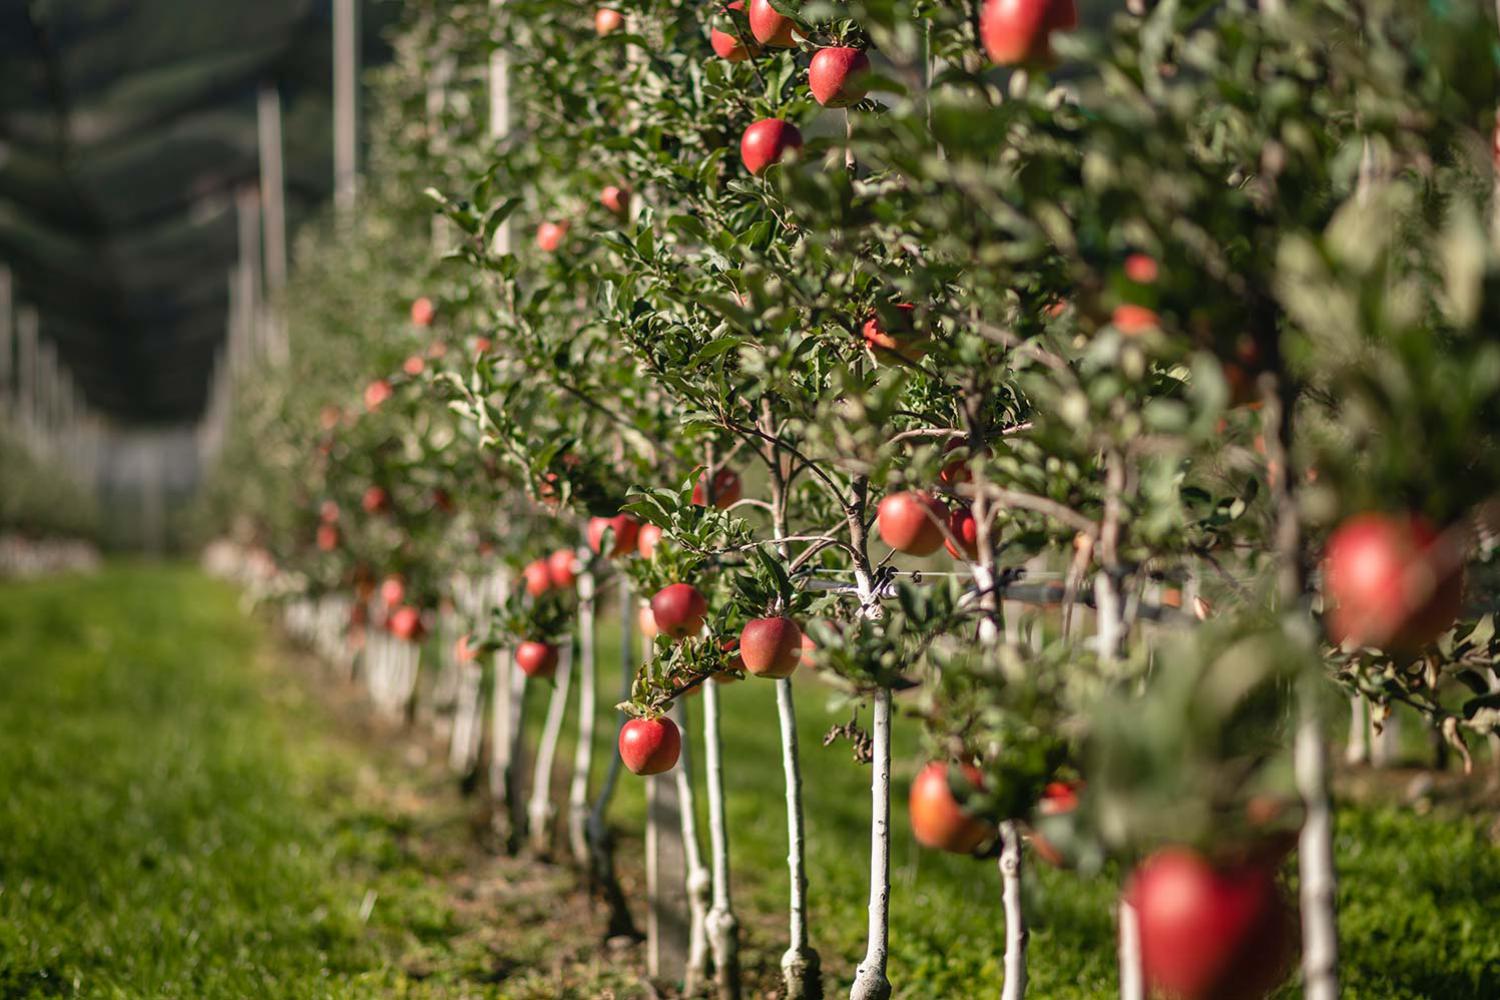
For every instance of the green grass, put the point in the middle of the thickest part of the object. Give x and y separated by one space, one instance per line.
181 817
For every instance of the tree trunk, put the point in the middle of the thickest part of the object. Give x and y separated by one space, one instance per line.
1320 944
1016 934
801 970
1132 982
540 811
601 842
1357 750
583 753
699 883
721 925
870 982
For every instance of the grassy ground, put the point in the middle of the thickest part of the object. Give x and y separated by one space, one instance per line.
191 811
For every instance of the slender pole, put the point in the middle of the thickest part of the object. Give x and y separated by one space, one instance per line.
345 103
721 925
540 811
247 211
583 752
699 882
273 211
500 116
870 982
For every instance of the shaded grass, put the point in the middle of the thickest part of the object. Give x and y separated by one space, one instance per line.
180 817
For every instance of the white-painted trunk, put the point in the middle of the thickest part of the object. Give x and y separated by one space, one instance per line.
1357 750
541 810
870 981
720 923
467 718
801 973
699 882
1320 946
1132 982
1016 934
583 753
1385 744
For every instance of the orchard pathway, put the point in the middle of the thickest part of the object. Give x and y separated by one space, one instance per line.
190 809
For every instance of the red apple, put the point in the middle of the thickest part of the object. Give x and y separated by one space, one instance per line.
550 235
625 528
645 620
771 27
328 537
406 624
766 142
463 651
423 312
607 21
937 820
771 647
1141 269
727 489
537 659
328 512
809 650
901 339
1209 933
727 44
680 609
482 345
392 591
616 200
909 522
957 471
562 569
1058 799
376 393
646 540
836 76
963 527
414 365
650 746
375 500
1383 587
1019 31
1132 319
538 577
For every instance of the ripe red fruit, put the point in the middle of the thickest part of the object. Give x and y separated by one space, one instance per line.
727 489
328 512
375 500
650 746
836 76
765 142
414 365
771 647
727 44
625 529
645 620
957 471
328 537
616 200
900 339
1058 798
1132 319
423 311
538 577
392 591
1209 933
937 820
680 609
562 569
1019 31
463 652
809 650
770 27
909 522
550 235
1141 269
482 345
963 527
607 21
646 540
406 624
1380 578
537 659
376 393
